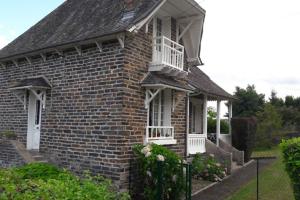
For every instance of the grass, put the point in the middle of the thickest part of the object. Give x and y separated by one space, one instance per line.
274 181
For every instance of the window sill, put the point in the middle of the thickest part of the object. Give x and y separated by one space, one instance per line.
163 141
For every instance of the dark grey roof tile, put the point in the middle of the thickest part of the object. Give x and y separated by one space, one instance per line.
198 79
78 20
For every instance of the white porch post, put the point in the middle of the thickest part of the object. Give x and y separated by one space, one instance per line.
205 116
218 128
230 116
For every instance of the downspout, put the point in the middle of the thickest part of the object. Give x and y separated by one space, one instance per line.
187 123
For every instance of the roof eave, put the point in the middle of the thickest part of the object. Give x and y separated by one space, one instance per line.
168 86
48 49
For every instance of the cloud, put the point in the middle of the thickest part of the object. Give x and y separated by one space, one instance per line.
283 81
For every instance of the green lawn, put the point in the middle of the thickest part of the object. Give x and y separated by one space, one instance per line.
274 182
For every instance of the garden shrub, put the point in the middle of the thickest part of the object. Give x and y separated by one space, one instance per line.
27 183
291 157
269 125
172 171
243 135
207 168
39 171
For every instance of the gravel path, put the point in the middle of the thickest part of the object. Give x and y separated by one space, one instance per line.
221 191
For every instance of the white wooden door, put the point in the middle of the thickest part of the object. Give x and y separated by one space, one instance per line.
34 122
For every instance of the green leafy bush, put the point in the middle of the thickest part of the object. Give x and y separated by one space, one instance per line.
39 171
291 156
172 171
207 168
29 183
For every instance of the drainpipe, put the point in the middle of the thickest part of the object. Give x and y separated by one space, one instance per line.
218 129
205 116
187 123
229 119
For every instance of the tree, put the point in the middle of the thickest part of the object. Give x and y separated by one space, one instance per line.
248 102
212 122
289 101
275 101
269 124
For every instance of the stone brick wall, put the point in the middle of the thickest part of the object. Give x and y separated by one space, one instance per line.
82 126
9 157
95 111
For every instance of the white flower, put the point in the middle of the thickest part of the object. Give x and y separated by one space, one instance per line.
149 146
218 165
160 158
148 154
212 155
149 174
145 150
184 161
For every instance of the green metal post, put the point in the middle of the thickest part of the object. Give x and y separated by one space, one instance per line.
159 180
186 181
190 182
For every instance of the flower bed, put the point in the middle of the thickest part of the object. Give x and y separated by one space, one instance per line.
44 181
207 168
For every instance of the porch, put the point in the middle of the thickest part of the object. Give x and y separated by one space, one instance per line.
198 123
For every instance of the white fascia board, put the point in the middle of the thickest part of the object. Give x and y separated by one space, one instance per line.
167 86
141 23
196 5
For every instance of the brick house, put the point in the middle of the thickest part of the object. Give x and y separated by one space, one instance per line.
95 77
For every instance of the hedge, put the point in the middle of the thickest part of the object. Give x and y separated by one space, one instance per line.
243 135
291 158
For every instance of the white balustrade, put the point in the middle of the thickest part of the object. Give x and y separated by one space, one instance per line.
168 52
196 143
160 135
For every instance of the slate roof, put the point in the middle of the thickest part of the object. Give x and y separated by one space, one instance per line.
154 78
79 20
198 79
38 82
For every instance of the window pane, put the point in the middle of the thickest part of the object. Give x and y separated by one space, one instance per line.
38 111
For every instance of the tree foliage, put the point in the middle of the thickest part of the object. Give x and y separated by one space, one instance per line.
269 124
248 102
212 122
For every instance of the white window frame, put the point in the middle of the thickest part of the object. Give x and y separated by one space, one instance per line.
161 109
193 118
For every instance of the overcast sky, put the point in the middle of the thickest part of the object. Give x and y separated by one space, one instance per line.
253 42
245 41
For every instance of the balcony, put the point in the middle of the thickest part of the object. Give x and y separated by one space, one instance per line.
161 135
168 57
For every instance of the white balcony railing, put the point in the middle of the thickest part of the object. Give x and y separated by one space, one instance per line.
196 143
160 135
168 52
